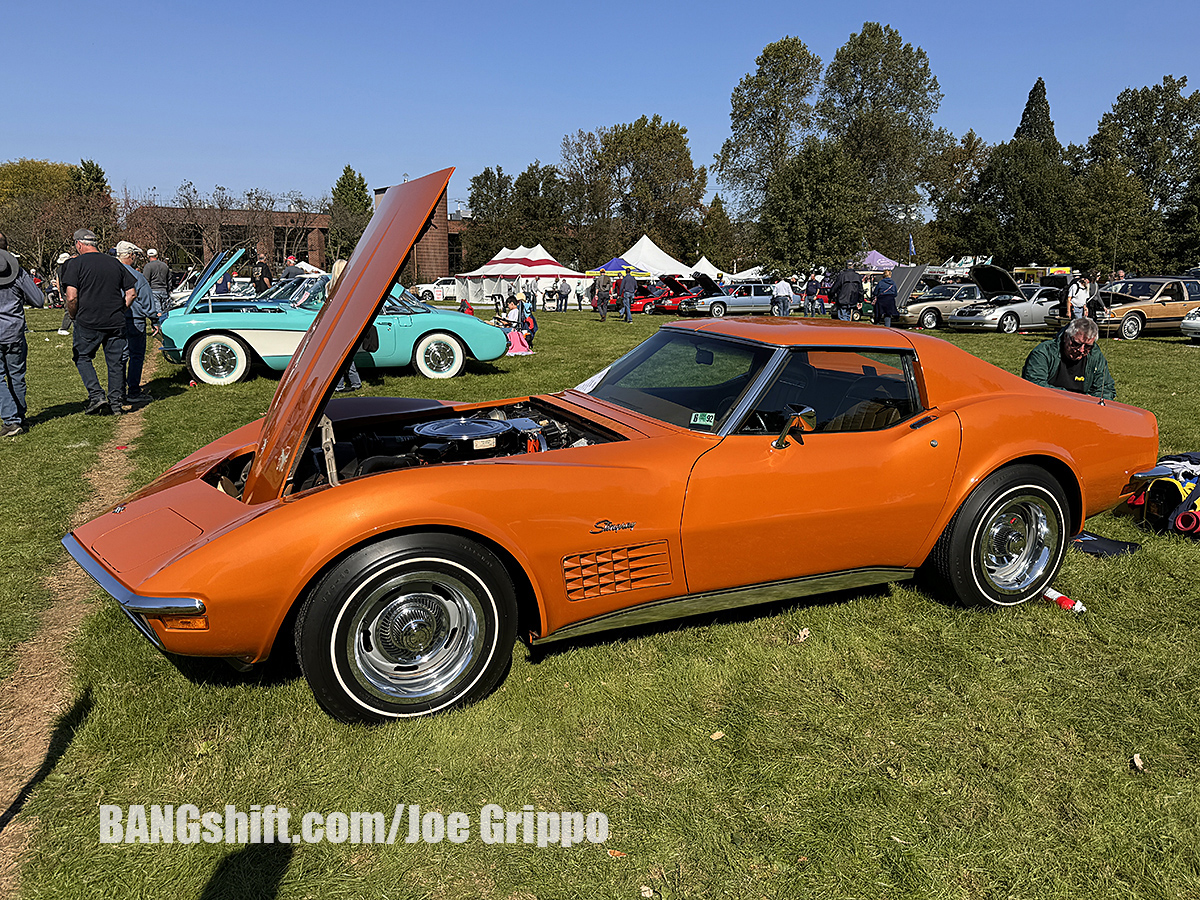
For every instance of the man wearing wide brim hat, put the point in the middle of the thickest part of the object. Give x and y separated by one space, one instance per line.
16 289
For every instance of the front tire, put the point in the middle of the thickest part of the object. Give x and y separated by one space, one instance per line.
427 296
1006 543
439 355
1009 323
407 627
929 319
218 359
1131 327
717 310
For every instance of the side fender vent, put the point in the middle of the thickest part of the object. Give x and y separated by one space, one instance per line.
603 572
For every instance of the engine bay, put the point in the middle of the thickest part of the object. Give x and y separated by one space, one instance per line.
340 451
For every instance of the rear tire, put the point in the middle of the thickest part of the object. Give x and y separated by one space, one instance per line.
439 355
1006 543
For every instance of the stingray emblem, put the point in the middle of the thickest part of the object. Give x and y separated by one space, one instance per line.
118 510
605 525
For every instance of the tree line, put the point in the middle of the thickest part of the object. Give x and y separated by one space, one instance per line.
42 203
824 161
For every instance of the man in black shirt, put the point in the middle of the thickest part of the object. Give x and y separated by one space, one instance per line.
99 289
260 274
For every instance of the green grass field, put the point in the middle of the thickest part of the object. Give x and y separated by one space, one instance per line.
872 744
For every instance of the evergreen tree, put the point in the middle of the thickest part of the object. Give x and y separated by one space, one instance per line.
1036 124
350 211
88 180
718 240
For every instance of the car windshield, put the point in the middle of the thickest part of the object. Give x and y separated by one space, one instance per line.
687 379
310 294
400 301
1143 290
942 290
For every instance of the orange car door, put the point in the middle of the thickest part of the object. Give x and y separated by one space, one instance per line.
840 500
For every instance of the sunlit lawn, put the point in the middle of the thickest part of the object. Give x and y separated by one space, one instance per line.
872 744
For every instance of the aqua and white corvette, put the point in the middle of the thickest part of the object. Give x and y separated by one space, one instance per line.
217 339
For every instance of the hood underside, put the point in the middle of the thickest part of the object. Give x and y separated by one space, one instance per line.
398 222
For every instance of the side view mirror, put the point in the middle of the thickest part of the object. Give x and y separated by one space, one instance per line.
801 420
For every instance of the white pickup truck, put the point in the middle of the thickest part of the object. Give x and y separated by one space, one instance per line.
442 289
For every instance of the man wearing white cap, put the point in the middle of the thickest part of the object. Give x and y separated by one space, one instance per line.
56 280
99 290
136 314
16 287
158 273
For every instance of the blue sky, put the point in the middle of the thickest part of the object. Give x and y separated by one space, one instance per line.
148 90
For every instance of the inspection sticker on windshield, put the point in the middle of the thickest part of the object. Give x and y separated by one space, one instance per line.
703 419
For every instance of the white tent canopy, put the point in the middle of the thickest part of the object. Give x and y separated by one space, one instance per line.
754 274
703 265
509 271
646 255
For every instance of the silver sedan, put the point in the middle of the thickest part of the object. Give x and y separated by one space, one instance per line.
1008 313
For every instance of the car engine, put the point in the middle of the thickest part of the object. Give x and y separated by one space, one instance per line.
356 450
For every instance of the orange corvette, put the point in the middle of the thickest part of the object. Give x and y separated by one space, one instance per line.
403 544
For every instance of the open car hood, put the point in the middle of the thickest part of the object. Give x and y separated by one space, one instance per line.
709 287
399 220
994 281
676 286
907 278
217 268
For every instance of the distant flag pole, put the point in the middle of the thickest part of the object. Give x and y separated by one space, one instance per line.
912 251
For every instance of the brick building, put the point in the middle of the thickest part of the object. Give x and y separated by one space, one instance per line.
185 236
438 252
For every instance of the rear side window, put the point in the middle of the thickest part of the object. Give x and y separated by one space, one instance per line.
850 390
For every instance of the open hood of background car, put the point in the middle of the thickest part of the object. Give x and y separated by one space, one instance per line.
993 281
676 286
399 220
907 278
709 287
218 267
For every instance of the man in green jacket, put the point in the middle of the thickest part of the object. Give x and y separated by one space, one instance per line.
1071 361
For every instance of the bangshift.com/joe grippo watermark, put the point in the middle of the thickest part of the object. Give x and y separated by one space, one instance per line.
268 823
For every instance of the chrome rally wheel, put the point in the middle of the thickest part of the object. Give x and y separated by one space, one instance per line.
407 627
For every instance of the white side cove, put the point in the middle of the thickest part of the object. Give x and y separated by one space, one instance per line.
271 343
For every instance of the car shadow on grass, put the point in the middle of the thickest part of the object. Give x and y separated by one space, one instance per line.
539 652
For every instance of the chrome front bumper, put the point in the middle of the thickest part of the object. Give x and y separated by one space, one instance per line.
135 606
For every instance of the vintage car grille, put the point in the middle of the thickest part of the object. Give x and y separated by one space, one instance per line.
622 569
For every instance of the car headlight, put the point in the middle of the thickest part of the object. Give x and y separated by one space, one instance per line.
1194 314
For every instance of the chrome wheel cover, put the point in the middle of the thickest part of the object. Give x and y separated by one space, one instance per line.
414 635
439 356
219 360
1018 541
